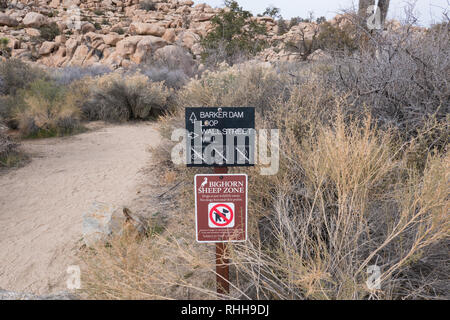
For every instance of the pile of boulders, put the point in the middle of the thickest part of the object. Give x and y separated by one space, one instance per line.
119 33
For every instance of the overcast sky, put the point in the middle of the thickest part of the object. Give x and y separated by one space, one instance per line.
428 11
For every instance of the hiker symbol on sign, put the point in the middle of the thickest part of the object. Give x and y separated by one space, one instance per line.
221 215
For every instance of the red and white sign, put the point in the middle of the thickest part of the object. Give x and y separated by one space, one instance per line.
221 207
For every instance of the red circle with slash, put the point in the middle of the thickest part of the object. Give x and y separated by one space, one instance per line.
227 221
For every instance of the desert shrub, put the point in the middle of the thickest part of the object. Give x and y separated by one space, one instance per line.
47 110
174 67
116 97
147 5
15 75
174 79
282 27
7 107
50 31
305 44
5 51
336 38
234 31
67 75
231 87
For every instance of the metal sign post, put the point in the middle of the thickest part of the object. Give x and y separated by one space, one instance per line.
222 264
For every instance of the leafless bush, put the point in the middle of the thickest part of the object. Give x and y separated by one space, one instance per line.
67 75
403 76
307 43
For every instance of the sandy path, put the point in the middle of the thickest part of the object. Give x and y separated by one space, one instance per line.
41 204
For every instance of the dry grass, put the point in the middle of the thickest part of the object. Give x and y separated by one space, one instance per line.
47 110
345 200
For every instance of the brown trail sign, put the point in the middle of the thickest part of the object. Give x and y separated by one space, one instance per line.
221 207
221 216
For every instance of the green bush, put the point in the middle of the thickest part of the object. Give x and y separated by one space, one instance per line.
334 38
147 5
233 31
5 51
49 32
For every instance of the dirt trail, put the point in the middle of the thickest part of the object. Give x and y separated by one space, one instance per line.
41 204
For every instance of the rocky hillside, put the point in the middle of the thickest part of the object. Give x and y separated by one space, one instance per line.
116 33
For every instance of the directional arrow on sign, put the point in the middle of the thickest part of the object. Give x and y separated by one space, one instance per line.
193 118
193 135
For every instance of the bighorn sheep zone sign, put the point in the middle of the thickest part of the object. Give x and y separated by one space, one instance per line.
221 207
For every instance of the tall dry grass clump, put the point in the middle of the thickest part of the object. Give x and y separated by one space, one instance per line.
345 200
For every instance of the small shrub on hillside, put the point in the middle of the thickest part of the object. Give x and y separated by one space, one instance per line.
7 106
116 97
234 31
99 12
282 27
334 38
48 110
5 51
147 5
49 32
